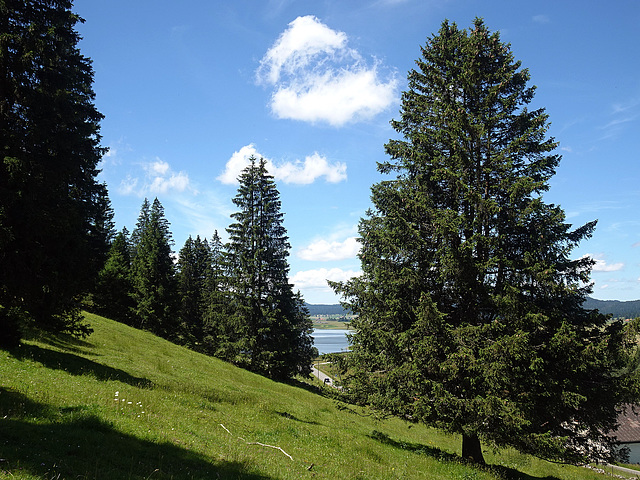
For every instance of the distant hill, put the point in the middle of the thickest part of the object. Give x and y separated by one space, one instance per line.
318 309
617 308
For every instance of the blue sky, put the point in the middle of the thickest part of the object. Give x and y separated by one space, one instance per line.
190 89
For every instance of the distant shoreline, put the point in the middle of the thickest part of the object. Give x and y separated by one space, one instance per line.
329 327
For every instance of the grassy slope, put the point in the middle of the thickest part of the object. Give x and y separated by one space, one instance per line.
125 404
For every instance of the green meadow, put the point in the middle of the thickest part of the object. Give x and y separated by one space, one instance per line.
124 404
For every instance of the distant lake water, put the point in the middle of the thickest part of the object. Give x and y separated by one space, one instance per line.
330 341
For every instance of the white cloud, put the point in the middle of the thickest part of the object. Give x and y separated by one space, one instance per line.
602 266
317 78
159 178
294 50
334 97
238 162
323 250
313 167
317 279
158 167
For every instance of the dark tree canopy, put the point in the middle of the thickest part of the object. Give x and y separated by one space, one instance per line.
153 272
55 218
113 295
469 308
269 330
217 338
194 271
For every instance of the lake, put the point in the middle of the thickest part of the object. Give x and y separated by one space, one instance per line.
330 341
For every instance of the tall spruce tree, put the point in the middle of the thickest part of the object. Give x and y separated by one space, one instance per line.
217 338
469 309
272 332
194 272
114 290
55 218
153 272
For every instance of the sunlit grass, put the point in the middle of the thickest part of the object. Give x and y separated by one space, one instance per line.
125 404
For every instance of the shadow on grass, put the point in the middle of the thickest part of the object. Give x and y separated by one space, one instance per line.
500 470
293 417
76 365
77 444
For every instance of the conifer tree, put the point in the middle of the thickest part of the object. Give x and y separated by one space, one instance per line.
217 340
55 217
194 271
272 331
113 295
153 272
469 309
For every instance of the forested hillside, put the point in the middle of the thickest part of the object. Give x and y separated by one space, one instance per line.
320 309
617 308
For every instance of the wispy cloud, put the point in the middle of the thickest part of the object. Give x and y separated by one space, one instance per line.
301 172
541 19
622 113
203 214
317 78
158 178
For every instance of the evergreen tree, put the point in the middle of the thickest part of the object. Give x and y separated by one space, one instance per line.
272 332
141 226
469 308
216 339
55 218
153 272
113 295
194 271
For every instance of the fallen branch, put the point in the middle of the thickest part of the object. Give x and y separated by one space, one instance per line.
270 446
257 443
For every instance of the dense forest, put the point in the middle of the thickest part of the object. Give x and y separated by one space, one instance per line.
232 301
616 308
58 246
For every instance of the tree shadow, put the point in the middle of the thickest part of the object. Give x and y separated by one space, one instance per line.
502 472
76 444
76 365
293 417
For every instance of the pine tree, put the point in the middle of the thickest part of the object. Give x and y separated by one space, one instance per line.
55 218
141 226
113 295
217 340
194 271
469 308
272 332
153 272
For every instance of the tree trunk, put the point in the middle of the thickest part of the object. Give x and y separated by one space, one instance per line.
471 449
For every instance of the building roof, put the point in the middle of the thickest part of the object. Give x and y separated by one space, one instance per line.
629 429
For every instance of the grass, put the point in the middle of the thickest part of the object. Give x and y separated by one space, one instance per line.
124 404
323 323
